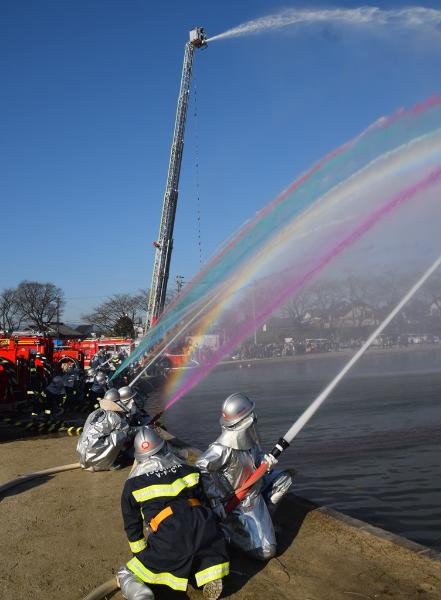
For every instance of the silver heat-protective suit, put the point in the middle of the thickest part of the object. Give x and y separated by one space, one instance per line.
225 466
132 588
105 434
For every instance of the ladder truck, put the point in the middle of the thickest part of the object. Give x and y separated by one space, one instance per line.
164 243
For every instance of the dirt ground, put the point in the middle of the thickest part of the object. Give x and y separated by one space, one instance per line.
62 536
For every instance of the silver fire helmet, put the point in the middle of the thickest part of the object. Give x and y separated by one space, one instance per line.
147 442
235 408
112 395
126 394
100 378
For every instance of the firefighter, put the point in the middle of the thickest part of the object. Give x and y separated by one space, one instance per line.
227 464
54 397
35 372
135 406
106 441
114 363
97 389
164 496
89 376
71 379
98 359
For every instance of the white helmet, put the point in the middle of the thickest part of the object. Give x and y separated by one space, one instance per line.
147 443
235 408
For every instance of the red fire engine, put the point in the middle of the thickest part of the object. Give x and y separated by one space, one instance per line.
113 345
28 363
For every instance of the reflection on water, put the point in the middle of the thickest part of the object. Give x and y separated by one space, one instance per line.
371 451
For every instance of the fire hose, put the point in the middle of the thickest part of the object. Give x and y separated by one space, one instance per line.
298 425
24 478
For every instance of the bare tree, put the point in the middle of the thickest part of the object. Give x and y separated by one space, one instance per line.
108 313
40 303
361 298
327 301
299 307
10 313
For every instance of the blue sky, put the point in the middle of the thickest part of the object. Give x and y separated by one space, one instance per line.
87 106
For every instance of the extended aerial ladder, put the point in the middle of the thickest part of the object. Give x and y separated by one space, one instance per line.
164 243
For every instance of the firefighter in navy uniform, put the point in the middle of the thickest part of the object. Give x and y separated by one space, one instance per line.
163 495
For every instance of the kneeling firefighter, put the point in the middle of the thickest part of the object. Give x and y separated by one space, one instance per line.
227 464
163 495
135 406
107 437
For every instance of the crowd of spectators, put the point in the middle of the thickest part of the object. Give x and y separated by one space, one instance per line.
294 347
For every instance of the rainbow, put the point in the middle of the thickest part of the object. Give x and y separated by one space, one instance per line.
396 157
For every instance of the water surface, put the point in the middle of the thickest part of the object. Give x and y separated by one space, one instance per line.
372 450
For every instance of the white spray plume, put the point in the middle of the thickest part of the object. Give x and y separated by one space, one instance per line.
416 17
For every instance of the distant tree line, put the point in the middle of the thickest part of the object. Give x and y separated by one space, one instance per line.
357 304
349 307
39 306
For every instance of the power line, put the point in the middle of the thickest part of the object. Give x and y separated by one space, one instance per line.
196 144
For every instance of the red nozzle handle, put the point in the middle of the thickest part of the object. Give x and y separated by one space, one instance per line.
241 493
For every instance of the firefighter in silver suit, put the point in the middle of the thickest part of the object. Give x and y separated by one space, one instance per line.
135 406
227 464
107 436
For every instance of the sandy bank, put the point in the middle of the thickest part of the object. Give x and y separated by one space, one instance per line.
62 536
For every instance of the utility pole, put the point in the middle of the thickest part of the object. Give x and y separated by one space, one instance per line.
58 317
253 301
179 279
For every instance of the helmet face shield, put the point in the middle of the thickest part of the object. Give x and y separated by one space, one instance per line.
244 423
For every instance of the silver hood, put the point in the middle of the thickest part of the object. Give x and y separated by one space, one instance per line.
164 459
242 436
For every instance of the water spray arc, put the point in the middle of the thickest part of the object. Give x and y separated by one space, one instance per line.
284 442
415 18
404 148
324 259
173 339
